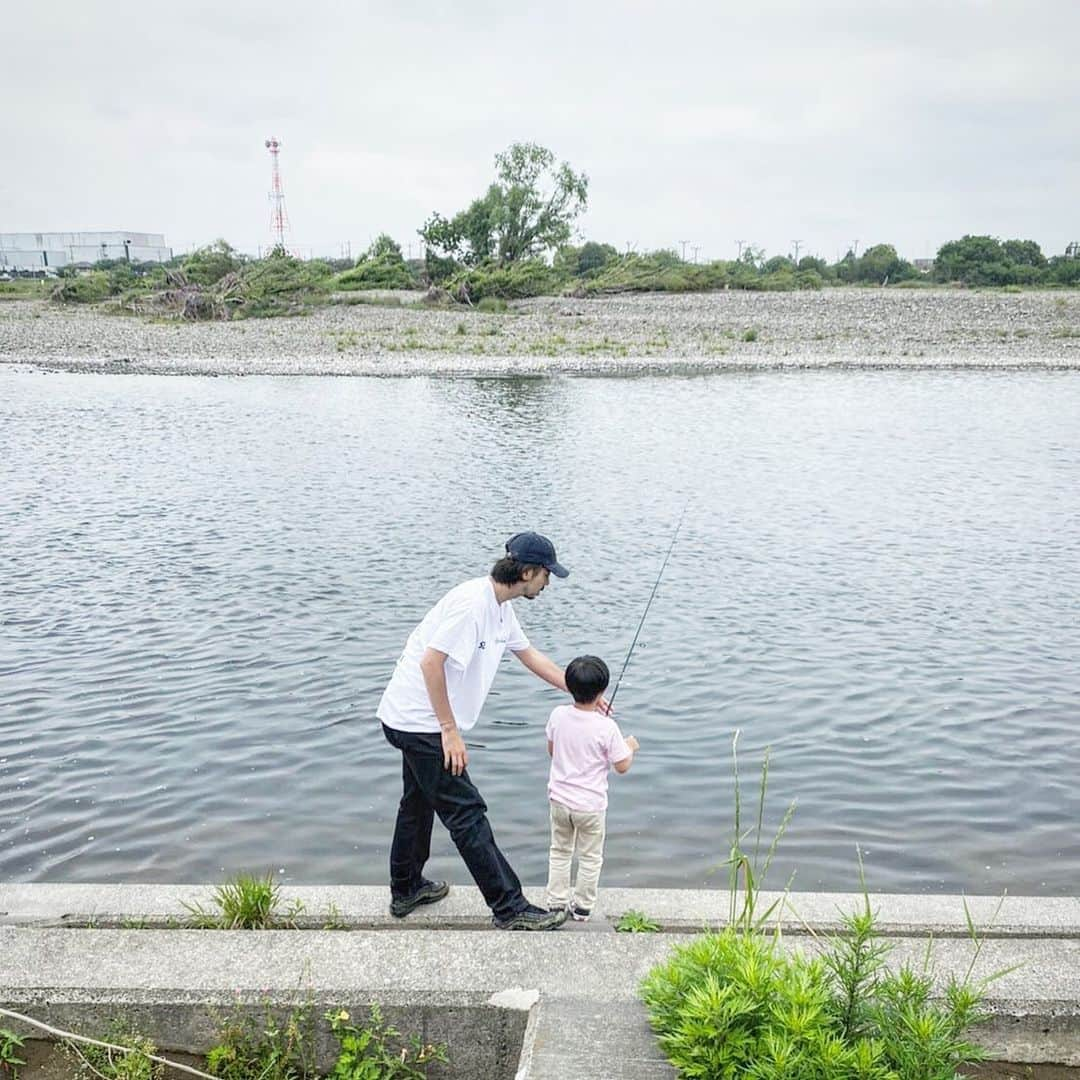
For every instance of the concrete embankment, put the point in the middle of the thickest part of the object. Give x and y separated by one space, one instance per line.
546 1005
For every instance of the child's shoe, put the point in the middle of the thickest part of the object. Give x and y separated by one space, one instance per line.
580 914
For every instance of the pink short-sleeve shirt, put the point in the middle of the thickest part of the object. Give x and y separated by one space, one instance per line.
585 744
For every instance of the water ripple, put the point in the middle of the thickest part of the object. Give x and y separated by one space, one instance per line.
204 584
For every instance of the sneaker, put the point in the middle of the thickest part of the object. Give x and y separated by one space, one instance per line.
428 893
580 914
532 918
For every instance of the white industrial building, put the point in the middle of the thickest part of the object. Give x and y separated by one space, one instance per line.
50 251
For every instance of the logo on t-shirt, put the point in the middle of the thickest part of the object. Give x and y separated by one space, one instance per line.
482 645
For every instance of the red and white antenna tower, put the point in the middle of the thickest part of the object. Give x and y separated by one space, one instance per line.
279 217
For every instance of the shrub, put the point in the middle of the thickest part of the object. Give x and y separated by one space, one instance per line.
659 271
514 281
779 281
281 285
84 289
382 272
209 264
808 280
381 267
734 1004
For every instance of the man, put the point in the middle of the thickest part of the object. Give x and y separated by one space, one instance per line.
435 694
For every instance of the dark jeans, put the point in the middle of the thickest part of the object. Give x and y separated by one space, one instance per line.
429 789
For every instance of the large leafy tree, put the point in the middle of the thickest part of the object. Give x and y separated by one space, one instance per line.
974 260
529 210
1024 253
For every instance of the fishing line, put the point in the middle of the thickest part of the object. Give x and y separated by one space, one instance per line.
656 585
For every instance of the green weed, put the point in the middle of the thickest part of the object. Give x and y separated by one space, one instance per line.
636 922
245 903
735 1003
345 339
10 1048
377 1050
266 1047
102 1063
333 919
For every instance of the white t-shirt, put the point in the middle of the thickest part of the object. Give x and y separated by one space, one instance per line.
473 629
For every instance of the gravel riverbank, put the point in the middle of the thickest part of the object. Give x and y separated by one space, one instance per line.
843 328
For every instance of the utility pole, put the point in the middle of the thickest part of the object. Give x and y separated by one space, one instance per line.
696 248
684 243
798 244
739 244
855 249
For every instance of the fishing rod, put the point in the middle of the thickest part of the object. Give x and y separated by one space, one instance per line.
656 585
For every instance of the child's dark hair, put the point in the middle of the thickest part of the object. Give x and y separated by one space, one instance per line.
587 677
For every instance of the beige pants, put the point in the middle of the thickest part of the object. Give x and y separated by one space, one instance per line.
575 830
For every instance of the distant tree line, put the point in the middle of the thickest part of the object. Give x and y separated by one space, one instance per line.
515 241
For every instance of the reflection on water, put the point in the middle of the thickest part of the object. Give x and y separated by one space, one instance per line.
205 582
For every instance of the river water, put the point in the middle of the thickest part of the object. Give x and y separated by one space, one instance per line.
204 584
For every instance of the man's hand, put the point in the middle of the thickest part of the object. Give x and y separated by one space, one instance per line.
633 743
604 706
455 756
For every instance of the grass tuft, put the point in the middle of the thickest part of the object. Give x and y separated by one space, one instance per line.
246 902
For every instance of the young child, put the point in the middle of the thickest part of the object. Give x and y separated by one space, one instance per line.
583 744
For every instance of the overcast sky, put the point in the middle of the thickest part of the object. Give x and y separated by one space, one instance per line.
768 121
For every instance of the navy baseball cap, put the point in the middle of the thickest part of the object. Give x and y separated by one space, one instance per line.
535 550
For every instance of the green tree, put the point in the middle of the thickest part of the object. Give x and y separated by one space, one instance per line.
594 256
973 260
1024 253
1064 270
881 264
777 264
527 212
584 261
845 269
385 245
818 266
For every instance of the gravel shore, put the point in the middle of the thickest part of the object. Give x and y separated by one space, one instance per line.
841 328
